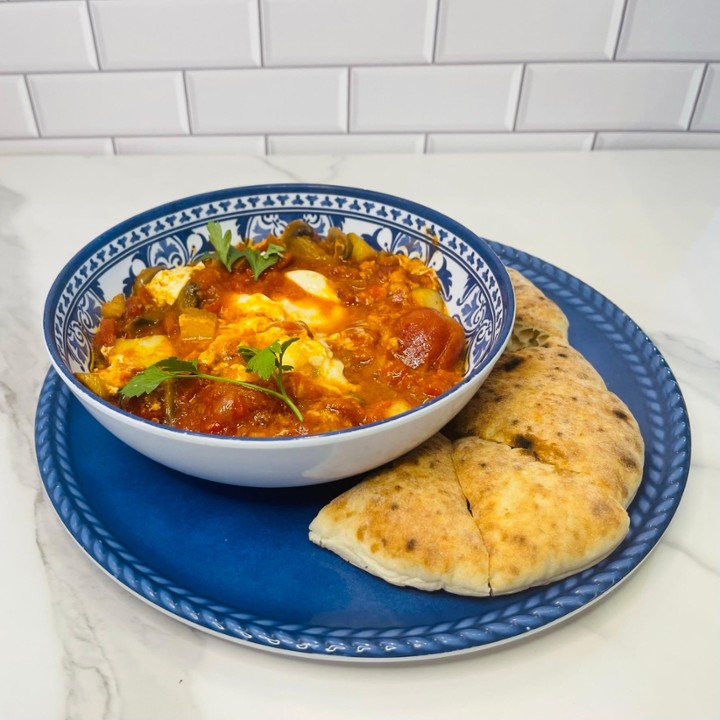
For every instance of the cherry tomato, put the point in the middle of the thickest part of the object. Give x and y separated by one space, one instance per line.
430 338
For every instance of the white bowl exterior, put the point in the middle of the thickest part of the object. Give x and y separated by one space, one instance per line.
284 462
472 291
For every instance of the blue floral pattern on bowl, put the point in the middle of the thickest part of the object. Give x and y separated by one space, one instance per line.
176 234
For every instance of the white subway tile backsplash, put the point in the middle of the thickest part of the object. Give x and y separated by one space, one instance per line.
657 141
437 98
57 146
707 113
507 142
192 145
513 30
149 103
16 117
357 76
136 34
268 100
328 32
38 36
671 30
608 96
349 144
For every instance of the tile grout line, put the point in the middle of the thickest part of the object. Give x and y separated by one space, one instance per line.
94 36
433 54
186 95
621 26
261 26
348 100
379 66
697 97
399 133
521 85
33 109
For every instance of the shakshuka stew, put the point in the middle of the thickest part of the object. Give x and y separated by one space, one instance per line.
295 335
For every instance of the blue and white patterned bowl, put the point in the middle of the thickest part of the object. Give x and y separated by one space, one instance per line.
476 288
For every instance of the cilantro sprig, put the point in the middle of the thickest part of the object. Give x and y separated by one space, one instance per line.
266 362
258 260
226 251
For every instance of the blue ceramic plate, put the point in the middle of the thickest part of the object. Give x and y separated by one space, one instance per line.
237 562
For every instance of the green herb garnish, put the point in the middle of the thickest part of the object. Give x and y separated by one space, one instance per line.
150 378
261 260
226 252
258 260
267 363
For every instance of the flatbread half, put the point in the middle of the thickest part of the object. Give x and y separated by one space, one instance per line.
556 361
537 318
545 457
556 366
409 524
538 523
577 428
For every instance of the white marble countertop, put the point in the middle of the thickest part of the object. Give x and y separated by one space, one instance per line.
642 228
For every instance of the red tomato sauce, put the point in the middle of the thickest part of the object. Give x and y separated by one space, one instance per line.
380 343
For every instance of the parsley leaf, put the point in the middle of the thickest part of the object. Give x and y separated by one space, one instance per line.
267 363
228 254
261 260
261 362
152 377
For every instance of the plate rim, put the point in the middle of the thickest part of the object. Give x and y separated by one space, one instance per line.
562 599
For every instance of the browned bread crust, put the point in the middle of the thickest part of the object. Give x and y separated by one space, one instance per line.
531 487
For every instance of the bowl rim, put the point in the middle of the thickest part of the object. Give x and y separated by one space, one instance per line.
475 241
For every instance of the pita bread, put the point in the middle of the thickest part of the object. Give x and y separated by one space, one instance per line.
409 524
550 401
553 367
544 455
537 318
531 537
580 429
557 361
